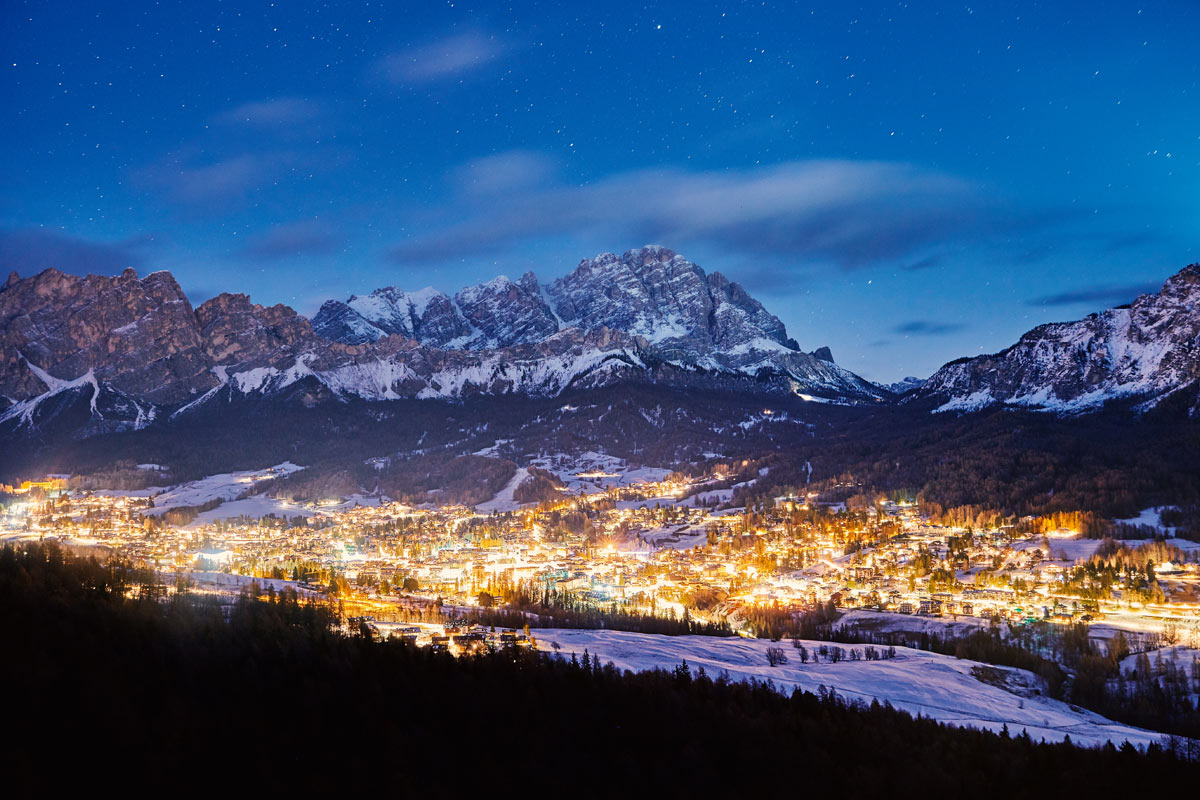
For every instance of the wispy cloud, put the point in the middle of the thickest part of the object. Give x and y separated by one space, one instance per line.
270 113
503 173
31 250
446 58
848 213
200 184
924 327
1106 295
928 262
304 237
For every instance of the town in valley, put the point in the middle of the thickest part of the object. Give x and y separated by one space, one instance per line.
645 541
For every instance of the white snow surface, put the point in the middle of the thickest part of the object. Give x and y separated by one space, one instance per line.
224 486
1151 517
936 686
260 505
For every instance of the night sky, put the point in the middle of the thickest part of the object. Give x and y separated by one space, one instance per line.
906 183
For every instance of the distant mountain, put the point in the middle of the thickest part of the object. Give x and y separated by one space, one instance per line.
683 316
1143 353
906 384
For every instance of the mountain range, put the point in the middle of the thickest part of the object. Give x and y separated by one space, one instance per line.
648 315
136 351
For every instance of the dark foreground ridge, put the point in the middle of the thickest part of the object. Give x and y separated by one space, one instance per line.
116 686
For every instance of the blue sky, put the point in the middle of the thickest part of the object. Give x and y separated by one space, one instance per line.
906 183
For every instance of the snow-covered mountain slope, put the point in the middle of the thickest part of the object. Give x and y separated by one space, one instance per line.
1145 352
951 690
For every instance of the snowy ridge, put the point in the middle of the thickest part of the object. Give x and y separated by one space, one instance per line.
1147 351
25 409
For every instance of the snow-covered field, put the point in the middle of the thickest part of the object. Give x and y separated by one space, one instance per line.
956 692
224 583
1074 548
257 506
1151 517
222 486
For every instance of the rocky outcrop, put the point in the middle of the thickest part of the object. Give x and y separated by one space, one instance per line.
140 335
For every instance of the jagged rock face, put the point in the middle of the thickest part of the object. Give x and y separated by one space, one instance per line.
338 322
440 323
1145 351
660 295
138 335
825 354
693 319
239 335
652 292
72 337
508 313
427 315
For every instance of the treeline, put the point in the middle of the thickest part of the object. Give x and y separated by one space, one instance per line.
1115 564
528 603
185 692
123 475
1161 696
541 486
593 618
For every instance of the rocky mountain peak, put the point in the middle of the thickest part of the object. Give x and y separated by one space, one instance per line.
823 353
687 317
240 334
508 313
656 293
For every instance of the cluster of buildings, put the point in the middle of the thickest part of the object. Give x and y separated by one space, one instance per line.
663 546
